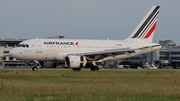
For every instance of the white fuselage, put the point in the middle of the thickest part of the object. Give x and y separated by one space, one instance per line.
58 49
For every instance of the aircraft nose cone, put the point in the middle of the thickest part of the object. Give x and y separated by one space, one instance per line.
13 52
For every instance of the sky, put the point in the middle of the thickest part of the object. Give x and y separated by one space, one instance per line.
85 19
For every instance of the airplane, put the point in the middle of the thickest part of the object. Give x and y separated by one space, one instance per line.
76 53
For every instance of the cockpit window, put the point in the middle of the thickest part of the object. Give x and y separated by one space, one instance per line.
27 45
19 45
23 45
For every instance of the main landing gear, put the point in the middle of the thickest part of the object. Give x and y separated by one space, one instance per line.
94 68
90 65
76 69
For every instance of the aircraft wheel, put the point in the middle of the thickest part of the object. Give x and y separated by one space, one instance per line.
94 68
76 69
34 68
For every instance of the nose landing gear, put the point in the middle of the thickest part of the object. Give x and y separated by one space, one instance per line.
34 68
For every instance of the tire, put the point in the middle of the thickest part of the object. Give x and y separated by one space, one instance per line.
34 68
94 68
76 69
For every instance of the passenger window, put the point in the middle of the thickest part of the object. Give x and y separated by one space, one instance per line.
27 45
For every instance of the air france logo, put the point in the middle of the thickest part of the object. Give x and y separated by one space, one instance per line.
60 43
77 43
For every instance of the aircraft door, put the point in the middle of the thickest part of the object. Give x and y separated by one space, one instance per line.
38 47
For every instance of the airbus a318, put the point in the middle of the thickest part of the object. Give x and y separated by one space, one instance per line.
76 53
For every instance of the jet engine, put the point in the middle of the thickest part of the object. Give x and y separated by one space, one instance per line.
73 61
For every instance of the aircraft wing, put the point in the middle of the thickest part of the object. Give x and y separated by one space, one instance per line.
106 53
113 52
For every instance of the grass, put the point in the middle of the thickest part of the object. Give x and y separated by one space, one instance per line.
106 85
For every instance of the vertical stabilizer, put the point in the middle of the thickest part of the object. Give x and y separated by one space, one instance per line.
145 29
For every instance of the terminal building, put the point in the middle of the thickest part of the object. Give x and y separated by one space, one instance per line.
169 55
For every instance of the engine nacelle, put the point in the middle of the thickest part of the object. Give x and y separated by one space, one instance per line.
73 61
